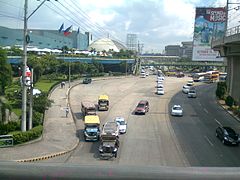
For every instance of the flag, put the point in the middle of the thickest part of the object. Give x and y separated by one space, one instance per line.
61 28
78 31
68 31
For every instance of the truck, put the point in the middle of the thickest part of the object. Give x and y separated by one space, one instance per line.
92 128
103 103
88 108
109 137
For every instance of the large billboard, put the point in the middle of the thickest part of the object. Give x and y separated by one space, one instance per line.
209 24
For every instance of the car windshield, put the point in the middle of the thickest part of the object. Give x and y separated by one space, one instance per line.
77 52
141 105
121 122
177 108
230 132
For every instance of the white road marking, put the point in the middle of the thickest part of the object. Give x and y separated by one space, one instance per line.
208 141
205 110
218 122
199 104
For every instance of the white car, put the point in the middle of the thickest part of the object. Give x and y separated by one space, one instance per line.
160 78
190 83
159 85
192 93
160 91
122 124
185 89
143 75
159 81
177 110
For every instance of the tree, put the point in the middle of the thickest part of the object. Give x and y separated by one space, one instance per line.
5 71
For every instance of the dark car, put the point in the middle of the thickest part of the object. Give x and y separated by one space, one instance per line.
87 80
142 107
227 135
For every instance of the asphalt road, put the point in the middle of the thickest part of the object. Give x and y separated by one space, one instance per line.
156 139
150 139
195 131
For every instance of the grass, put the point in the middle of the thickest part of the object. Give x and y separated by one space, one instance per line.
45 84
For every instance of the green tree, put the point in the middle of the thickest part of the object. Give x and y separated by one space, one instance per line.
5 71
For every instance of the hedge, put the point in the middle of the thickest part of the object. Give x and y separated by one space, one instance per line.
22 137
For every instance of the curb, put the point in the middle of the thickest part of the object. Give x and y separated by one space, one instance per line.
47 156
229 112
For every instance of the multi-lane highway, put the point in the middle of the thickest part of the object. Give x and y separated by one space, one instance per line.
195 131
155 138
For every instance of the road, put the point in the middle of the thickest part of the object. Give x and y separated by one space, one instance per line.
156 139
195 131
149 140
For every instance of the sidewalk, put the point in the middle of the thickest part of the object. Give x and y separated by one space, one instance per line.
59 134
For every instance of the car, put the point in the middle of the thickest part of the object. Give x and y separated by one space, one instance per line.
227 135
159 85
180 74
190 83
122 124
192 93
160 78
143 75
160 91
142 107
185 89
177 110
87 80
147 73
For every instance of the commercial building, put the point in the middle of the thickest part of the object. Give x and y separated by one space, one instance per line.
187 49
173 50
106 44
42 38
132 42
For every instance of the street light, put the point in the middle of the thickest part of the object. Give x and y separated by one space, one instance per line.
26 40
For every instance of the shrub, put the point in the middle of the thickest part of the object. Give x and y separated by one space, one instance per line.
11 126
37 118
22 137
229 101
221 90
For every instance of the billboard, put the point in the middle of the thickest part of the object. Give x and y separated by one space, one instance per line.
209 24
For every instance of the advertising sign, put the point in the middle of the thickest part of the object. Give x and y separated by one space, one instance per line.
209 24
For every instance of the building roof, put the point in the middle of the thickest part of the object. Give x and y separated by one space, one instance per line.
106 44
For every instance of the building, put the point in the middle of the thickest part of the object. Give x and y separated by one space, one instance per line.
41 38
173 50
132 42
187 49
106 44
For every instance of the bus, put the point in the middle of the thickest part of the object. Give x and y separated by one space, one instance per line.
211 76
198 76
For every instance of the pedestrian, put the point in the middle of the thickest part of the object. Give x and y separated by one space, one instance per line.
63 84
67 111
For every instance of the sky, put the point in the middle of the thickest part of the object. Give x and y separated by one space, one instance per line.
157 23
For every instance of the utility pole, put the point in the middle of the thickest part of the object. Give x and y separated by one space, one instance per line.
24 87
69 74
26 40
31 103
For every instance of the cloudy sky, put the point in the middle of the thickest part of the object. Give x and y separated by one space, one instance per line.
156 22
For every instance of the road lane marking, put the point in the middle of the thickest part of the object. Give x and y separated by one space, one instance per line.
199 104
218 122
208 140
205 110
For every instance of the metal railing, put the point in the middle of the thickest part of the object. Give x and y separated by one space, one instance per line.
6 140
232 31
